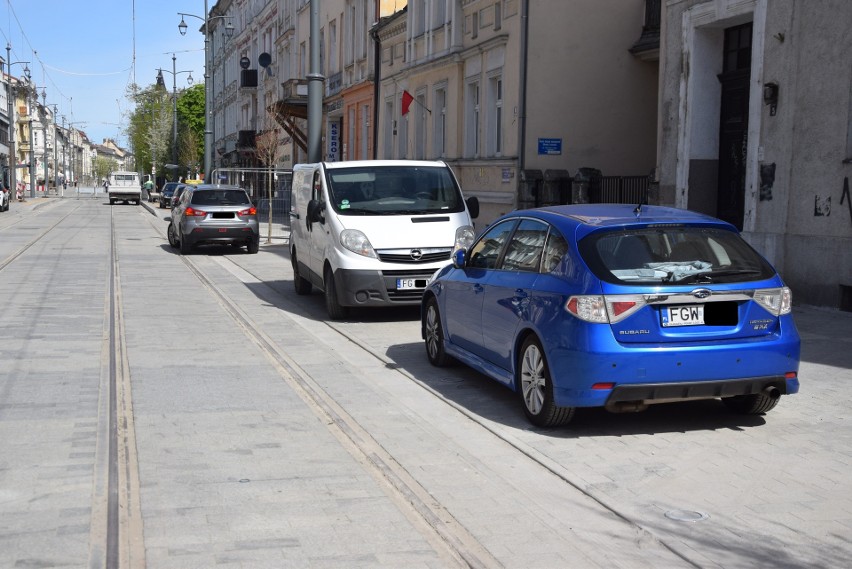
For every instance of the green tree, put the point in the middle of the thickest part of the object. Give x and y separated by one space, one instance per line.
190 111
149 126
103 166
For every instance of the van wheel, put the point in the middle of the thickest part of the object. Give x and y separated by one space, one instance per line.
300 283
332 303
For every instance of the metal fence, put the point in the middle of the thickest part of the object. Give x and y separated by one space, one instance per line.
256 182
620 189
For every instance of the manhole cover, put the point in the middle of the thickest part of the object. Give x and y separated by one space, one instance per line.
686 515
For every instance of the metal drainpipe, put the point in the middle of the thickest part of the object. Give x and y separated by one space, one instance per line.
522 97
377 83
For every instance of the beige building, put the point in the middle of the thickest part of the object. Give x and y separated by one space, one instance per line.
516 95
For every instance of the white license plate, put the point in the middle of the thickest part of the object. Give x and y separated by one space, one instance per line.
409 284
683 315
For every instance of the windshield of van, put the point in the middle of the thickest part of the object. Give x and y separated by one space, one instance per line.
393 190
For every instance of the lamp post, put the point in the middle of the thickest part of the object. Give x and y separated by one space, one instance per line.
44 124
174 101
208 60
13 157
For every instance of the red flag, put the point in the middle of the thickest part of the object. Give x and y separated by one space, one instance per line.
407 99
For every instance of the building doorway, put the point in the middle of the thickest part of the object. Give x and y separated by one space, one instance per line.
733 128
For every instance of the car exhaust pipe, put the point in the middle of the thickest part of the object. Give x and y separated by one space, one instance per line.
772 392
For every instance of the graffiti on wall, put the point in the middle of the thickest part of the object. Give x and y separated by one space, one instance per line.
822 204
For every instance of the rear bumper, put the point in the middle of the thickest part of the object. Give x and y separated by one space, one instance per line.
241 234
660 392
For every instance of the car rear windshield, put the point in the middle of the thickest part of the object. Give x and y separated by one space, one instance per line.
393 190
220 197
673 255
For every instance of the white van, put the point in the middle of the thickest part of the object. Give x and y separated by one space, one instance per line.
372 232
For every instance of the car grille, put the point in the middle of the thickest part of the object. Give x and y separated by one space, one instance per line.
415 255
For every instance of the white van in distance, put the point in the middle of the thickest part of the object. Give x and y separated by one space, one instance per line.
372 232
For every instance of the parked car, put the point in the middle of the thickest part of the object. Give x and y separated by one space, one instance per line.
213 214
176 196
167 194
615 306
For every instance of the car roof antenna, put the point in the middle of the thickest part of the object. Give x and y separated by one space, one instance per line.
638 210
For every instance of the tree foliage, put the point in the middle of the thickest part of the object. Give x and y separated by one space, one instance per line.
190 109
151 123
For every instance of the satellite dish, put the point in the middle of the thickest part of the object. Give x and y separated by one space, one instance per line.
264 59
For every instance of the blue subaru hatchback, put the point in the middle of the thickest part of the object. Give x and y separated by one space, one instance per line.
615 306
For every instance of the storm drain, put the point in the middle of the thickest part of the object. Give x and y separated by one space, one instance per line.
686 515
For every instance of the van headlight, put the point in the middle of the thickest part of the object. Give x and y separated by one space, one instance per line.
357 242
464 237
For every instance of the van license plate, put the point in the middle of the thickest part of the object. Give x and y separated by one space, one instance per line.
683 315
409 284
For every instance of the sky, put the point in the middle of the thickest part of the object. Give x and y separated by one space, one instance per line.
81 53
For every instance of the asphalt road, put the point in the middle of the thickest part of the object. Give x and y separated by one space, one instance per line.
166 411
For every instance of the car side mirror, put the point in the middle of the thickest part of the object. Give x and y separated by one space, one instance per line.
459 258
167 219
315 208
473 206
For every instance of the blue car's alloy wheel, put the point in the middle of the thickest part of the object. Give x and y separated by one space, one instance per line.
434 335
536 388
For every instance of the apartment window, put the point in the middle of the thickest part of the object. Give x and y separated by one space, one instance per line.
389 130
439 13
474 25
471 127
349 33
303 59
420 127
498 16
322 51
418 10
495 122
439 114
365 132
332 47
366 24
402 137
351 131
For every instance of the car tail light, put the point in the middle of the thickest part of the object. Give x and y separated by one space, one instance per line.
604 309
246 212
778 301
194 212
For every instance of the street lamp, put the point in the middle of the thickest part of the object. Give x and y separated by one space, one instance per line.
13 157
174 100
229 32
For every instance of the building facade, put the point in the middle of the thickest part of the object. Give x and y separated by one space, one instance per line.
755 127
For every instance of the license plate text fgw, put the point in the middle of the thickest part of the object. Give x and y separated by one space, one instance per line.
683 315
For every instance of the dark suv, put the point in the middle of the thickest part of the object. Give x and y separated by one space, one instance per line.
214 214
